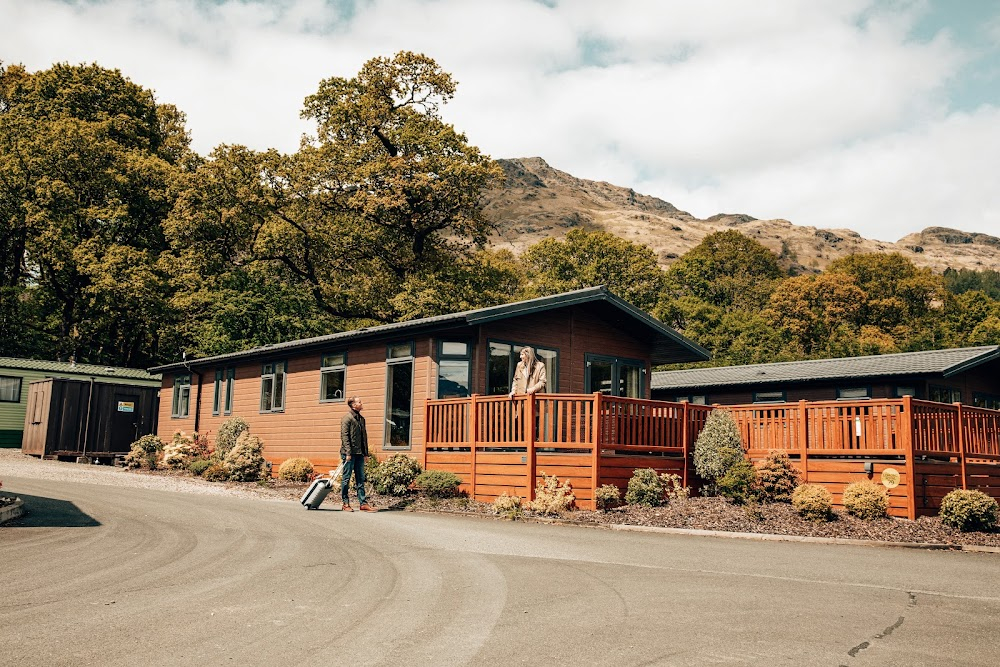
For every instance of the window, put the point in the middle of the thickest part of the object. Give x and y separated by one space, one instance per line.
853 393
332 377
769 397
272 386
454 369
182 396
900 392
989 401
693 399
944 394
503 360
399 395
614 376
222 396
10 389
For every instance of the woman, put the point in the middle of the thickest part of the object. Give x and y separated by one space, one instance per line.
529 376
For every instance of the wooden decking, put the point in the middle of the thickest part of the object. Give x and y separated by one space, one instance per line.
594 439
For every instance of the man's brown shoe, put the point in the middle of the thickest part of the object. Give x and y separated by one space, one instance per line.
346 508
367 508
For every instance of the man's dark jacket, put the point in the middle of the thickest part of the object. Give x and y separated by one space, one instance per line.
353 435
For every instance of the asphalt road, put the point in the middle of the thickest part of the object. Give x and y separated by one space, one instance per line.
102 575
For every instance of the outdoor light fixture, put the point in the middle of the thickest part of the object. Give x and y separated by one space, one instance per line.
869 468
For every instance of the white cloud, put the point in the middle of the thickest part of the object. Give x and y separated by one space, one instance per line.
821 112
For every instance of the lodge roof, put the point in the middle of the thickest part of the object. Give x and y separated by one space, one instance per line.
66 368
943 362
668 346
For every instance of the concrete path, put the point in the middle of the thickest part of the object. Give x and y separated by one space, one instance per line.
107 575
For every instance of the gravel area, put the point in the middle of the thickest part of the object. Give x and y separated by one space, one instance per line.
698 513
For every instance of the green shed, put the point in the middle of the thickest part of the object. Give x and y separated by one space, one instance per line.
16 374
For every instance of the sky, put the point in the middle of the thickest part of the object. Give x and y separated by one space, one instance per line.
881 116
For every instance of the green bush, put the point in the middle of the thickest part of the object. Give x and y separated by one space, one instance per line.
394 475
777 478
508 507
217 472
645 487
718 447
245 461
199 466
551 497
739 482
813 502
607 496
229 433
144 453
866 500
438 483
296 469
969 510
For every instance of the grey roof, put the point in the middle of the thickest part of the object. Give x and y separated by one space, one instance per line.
668 346
65 368
944 362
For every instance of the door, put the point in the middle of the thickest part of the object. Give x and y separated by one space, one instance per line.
124 422
615 376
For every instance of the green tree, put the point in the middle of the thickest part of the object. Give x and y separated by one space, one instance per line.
817 312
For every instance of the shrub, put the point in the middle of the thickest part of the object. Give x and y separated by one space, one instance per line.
866 500
647 488
180 451
777 478
551 497
245 461
438 483
144 453
229 433
395 475
969 510
813 502
296 469
216 472
199 466
739 482
508 506
718 447
608 496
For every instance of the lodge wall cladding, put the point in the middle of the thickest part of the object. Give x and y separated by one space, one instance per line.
306 427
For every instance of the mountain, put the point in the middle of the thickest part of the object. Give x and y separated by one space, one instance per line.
538 202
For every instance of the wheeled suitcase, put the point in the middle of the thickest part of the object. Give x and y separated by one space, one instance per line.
318 490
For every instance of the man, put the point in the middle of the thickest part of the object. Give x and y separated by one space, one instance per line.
353 450
529 376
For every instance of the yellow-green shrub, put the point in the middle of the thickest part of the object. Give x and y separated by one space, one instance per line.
144 453
296 469
508 506
438 483
217 472
969 510
776 478
813 502
866 500
245 461
551 497
607 496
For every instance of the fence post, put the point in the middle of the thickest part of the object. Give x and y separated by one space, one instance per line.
804 438
595 442
911 500
685 434
960 428
473 437
529 434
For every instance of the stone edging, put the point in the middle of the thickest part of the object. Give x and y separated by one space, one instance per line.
760 537
12 511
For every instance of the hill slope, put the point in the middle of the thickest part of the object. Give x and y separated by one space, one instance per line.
538 202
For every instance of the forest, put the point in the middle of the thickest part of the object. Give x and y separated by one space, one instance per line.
120 245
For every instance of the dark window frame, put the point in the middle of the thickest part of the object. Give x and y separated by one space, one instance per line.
274 380
227 408
616 363
758 394
222 391
551 383
689 398
954 394
20 386
866 388
330 370
467 357
391 361
181 380
989 401
896 393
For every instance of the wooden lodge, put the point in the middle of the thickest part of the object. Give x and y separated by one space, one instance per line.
436 389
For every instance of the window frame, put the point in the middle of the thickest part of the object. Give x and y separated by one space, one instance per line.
324 371
20 388
758 394
954 394
222 391
274 378
551 379
989 401
897 393
691 398
181 380
227 408
866 397
616 363
467 358
391 361
220 375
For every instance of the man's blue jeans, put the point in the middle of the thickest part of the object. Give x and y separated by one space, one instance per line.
354 464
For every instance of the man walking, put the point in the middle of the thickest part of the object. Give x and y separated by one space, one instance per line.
353 450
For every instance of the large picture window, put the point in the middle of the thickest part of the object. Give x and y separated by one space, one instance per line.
944 394
10 389
179 407
503 360
399 395
333 377
614 376
272 386
454 369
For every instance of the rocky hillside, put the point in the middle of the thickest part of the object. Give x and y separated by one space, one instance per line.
538 201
